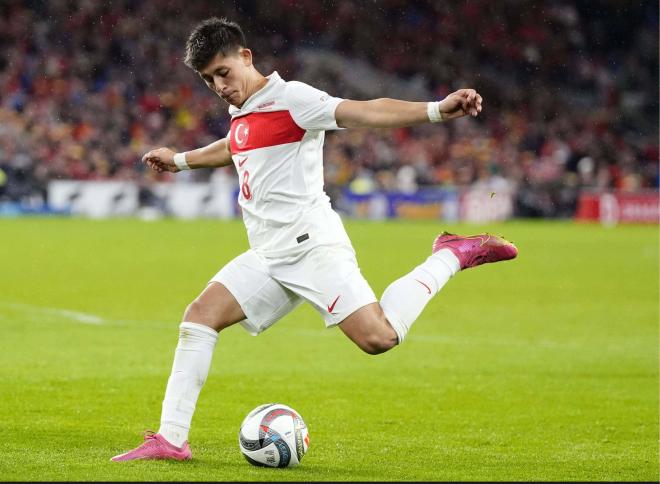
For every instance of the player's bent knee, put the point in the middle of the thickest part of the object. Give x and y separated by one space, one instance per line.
376 344
194 312
370 331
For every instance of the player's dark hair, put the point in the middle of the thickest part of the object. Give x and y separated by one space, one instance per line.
210 37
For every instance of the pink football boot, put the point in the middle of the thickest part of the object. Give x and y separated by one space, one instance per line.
155 447
474 250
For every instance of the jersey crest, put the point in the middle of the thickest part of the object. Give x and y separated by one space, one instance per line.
261 130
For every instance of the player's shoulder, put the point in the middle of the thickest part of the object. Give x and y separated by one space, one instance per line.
296 85
294 88
297 91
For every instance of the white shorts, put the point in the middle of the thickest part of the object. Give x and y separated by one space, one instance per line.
327 276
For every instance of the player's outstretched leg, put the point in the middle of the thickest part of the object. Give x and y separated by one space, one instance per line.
404 299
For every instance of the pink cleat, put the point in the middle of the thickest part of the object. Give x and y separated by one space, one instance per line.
474 250
155 447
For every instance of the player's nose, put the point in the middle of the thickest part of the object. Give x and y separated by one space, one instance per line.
219 85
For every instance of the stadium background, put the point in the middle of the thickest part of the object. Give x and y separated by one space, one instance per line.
570 93
544 368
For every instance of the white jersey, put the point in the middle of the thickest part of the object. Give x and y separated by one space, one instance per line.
276 141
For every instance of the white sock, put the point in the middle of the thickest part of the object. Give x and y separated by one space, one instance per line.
405 298
192 360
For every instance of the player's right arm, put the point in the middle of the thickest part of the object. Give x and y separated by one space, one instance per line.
211 156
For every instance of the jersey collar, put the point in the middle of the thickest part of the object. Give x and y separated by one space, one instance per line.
250 103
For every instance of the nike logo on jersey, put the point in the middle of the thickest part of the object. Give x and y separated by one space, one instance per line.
425 285
242 162
332 306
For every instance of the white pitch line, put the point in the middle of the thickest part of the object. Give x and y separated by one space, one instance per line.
37 312
77 316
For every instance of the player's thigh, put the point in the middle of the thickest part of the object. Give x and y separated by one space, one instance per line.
329 278
262 299
215 307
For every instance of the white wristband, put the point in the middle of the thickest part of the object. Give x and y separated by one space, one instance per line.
180 161
433 111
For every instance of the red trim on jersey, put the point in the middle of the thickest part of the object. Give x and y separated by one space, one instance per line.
261 130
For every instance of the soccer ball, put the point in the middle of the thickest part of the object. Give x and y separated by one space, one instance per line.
273 435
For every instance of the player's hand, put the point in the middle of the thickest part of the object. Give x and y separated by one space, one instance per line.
461 103
160 160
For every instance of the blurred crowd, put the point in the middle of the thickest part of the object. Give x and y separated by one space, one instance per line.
570 90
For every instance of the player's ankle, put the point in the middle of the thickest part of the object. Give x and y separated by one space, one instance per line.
174 434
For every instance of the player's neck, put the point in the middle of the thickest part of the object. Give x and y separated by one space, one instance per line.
256 83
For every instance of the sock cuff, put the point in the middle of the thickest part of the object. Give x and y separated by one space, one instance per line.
200 329
395 321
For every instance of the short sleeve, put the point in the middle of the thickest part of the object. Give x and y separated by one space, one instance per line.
311 108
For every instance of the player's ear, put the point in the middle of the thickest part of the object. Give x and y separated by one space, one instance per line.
246 56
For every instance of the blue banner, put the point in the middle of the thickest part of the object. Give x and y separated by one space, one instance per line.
428 203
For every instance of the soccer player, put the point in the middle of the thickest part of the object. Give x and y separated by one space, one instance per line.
299 250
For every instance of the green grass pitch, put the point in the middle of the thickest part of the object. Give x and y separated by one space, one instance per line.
541 368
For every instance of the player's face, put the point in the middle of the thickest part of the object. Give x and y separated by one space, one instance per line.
228 76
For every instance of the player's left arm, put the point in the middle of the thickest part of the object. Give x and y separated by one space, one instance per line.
393 113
